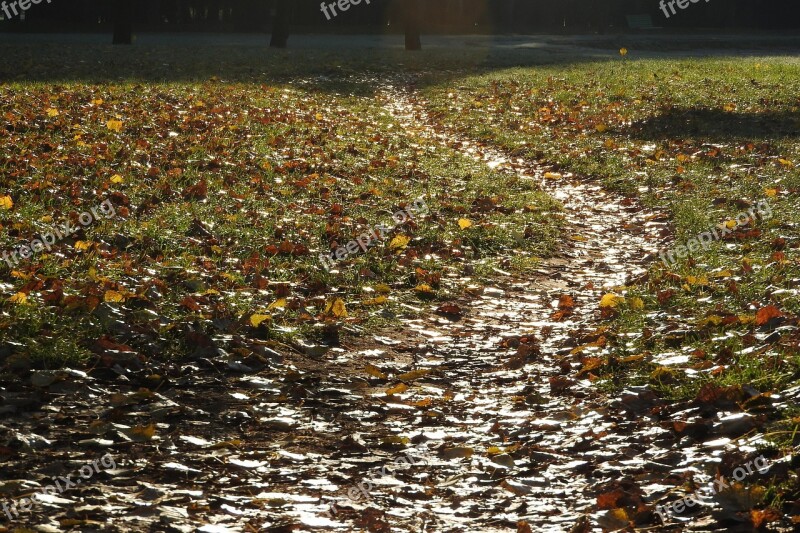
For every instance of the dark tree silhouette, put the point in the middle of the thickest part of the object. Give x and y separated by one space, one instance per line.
123 22
280 24
412 16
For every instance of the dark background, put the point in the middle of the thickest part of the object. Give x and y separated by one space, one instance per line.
437 16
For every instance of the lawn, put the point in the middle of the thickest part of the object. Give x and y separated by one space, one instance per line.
702 141
225 175
225 195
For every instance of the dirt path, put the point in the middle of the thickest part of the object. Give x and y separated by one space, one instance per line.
514 434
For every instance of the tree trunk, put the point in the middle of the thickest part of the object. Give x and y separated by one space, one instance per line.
412 16
280 25
123 22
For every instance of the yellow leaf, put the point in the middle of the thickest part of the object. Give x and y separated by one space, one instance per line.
337 308
730 224
611 300
380 300
414 374
772 193
6 202
114 296
116 178
256 320
319 116
730 108
552 175
396 439
636 303
601 128
83 245
141 433
375 372
786 163
458 452
424 288
399 242
464 223
235 443
114 125
578 238
701 281
19 298
397 389
722 274
277 304
382 288
623 52
97 101
51 112
715 320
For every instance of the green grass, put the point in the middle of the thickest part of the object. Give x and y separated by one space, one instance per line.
289 171
702 140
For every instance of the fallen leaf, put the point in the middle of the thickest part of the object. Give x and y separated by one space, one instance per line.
19 298
374 371
113 296
277 304
141 433
256 320
397 389
399 242
336 308
765 314
114 125
611 301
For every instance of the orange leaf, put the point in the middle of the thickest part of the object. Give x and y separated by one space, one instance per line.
765 314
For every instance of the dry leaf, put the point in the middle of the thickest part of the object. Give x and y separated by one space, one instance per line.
114 125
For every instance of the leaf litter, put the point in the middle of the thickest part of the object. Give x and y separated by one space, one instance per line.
493 390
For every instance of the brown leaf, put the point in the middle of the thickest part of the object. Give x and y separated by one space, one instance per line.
451 310
196 192
765 314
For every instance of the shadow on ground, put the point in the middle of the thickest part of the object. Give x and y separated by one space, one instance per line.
328 61
716 124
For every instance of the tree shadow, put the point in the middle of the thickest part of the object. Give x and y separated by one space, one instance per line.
717 124
357 65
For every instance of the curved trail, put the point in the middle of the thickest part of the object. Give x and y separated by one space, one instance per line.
552 440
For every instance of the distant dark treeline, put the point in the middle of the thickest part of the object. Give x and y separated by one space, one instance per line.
481 16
